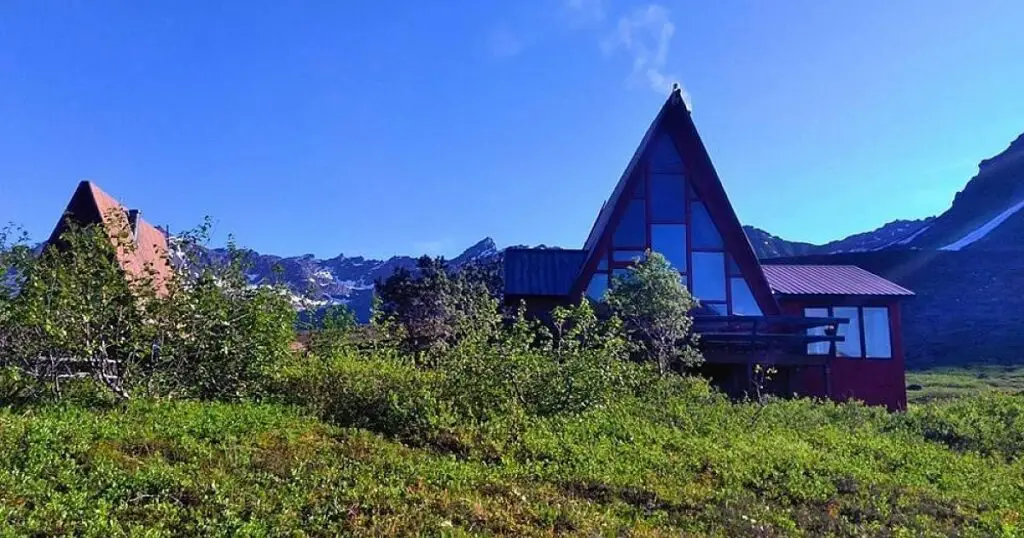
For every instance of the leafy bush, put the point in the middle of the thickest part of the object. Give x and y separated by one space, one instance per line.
379 393
656 307
526 367
991 424
72 312
430 309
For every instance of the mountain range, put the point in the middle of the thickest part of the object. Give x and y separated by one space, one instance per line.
966 265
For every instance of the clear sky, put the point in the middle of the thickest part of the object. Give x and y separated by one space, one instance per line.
412 127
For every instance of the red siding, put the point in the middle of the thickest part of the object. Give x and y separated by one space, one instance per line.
873 381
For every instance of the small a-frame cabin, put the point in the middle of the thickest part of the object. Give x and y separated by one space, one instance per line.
829 331
90 205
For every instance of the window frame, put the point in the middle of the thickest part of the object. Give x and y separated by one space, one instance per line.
861 334
639 190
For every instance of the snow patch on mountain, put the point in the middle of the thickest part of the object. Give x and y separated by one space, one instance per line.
909 239
984 229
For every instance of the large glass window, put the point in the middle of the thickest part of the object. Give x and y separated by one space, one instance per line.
708 275
743 302
850 346
598 286
877 343
663 156
632 228
816 348
874 330
668 197
705 234
734 269
670 241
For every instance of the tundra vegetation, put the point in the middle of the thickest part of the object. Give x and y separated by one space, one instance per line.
190 411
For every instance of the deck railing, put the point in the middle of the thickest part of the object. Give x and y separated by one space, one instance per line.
775 339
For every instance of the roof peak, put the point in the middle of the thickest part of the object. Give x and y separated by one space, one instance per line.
677 96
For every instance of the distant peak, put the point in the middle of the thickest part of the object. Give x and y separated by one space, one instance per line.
485 243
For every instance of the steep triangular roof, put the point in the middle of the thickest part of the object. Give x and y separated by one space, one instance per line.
90 205
674 121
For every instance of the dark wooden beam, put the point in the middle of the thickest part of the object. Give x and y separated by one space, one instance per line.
771 360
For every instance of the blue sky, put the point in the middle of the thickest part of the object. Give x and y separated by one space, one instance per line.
414 127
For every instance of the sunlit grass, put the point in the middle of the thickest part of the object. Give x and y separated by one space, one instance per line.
949 383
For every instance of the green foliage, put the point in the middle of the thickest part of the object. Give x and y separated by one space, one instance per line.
678 460
655 306
523 367
378 393
434 307
332 332
942 384
218 337
73 312
991 424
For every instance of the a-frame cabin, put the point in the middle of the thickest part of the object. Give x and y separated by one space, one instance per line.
671 200
147 258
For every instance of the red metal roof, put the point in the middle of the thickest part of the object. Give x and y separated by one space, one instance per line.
829 280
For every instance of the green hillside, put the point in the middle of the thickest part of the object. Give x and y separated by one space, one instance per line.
678 459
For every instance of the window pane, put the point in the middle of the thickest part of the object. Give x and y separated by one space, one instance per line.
663 156
733 268
850 330
705 235
816 348
598 285
720 309
670 241
743 303
876 332
709 276
627 255
668 197
632 228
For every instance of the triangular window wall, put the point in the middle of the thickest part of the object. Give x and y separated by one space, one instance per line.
664 213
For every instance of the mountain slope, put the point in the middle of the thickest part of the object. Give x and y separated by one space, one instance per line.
986 213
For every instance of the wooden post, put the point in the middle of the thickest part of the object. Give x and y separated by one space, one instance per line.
828 377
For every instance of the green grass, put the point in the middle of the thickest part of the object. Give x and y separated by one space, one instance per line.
685 462
949 383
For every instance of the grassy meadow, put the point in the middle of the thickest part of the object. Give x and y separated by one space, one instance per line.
368 447
948 383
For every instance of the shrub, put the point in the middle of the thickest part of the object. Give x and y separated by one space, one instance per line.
991 423
655 306
72 312
218 337
379 393
435 306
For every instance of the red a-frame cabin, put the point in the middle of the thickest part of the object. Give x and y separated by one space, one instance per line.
830 331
